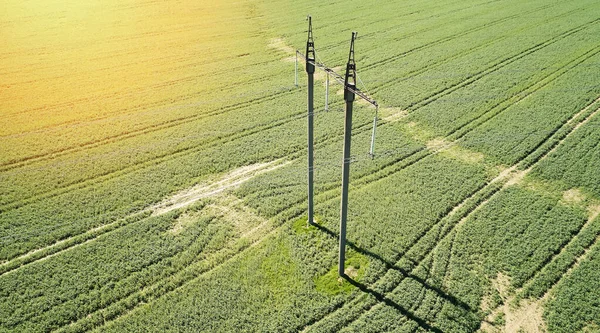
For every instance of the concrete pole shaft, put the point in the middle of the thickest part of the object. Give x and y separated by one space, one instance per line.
327 93
345 185
310 149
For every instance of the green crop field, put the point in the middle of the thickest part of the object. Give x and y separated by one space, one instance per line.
153 167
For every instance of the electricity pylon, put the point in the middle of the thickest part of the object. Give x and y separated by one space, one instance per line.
350 92
349 89
310 70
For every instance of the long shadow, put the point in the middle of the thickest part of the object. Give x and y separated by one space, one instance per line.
453 300
381 298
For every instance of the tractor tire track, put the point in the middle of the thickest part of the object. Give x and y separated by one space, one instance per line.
447 90
542 270
182 120
586 114
415 161
507 179
459 206
427 100
228 181
386 170
167 285
572 267
13 204
460 214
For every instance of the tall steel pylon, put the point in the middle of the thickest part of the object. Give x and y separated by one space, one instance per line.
349 89
310 70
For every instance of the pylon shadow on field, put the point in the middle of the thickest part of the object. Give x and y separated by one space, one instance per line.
391 266
383 299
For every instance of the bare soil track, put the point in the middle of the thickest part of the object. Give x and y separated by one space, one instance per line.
180 200
509 177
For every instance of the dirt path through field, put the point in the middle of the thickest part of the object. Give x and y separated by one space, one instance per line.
182 199
526 317
508 177
231 180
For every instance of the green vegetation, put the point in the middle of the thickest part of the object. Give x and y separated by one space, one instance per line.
574 306
332 284
162 185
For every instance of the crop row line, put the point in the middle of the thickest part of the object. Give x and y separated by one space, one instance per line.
507 178
93 233
494 192
200 266
520 96
510 175
171 60
188 274
424 289
156 86
586 251
457 215
500 65
491 188
440 301
164 60
437 25
66 243
5 166
138 303
56 193
182 120
229 181
82 237
155 290
453 137
444 270
204 62
69 243
155 161
381 173
565 261
430 98
462 33
574 123
432 234
133 110
554 277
